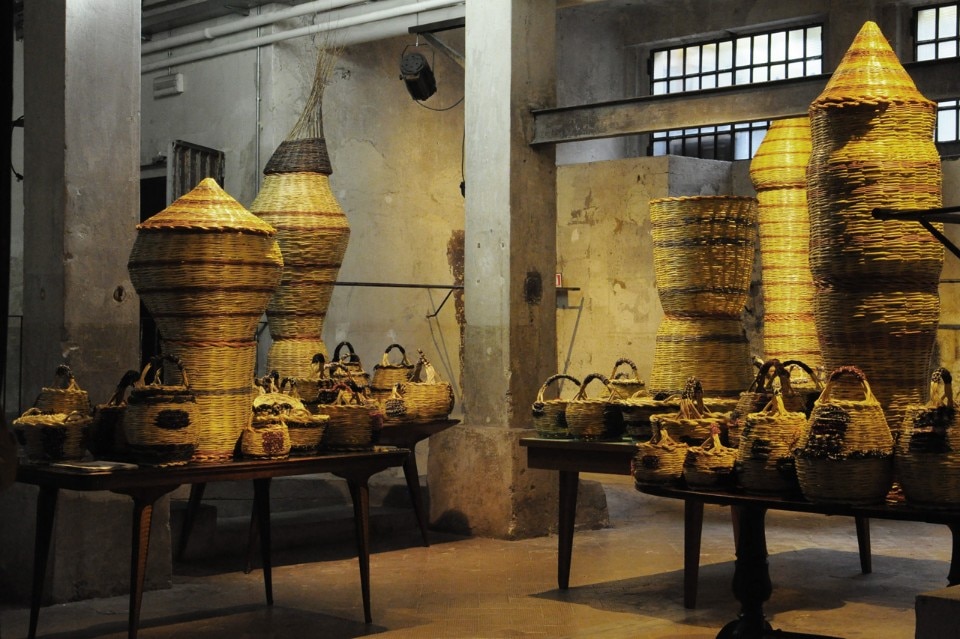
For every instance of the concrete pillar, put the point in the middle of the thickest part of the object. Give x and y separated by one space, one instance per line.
478 478
81 198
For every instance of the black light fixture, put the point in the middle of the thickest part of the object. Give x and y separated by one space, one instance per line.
416 73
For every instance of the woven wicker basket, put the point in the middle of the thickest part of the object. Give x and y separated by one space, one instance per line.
638 412
386 374
428 398
105 438
162 422
354 424
626 384
51 437
293 356
267 436
66 397
709 465
306 431
660 460
596 418
845 452
927 454
550 415
350 368
692 423
765 464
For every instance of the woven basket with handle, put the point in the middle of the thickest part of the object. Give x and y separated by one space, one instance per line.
387 374
51 437
597 418
353 423
66 397
427 396
765 464
550 415
627 384
709 465
659 460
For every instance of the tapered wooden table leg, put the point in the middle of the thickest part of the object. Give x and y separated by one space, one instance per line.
569 485
193 507
692 534
261 508
143 501
46 507
360 492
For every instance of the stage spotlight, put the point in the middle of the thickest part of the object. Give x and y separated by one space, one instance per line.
416 73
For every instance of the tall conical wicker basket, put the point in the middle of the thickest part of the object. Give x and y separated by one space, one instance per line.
877 304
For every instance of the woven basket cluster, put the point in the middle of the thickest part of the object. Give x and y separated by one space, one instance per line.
710 464
845 452
877 302
597 418
313 233
779 174
765 463
927 454
626 384
206 268
162 422
50 437
659 460
703 252
550 415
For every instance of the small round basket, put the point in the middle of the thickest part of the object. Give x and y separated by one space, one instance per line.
51 437
626 384
267 436
659 460
386 374
66 397
710 465
764 463
595 418
550 415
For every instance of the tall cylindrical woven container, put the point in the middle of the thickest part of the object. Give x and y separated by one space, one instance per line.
703 250
877 304
779 174
313 232
205 268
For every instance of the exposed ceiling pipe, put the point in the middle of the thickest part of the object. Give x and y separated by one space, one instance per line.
244 24
455 9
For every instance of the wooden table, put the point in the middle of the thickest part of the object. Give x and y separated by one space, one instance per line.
146 485
571 457
751 582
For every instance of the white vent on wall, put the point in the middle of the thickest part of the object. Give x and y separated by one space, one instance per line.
167 85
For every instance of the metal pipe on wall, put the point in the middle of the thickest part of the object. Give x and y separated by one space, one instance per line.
436 9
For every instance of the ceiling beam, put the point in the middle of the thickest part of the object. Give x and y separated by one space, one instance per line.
937 80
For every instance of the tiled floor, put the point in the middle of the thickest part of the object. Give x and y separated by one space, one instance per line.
626 581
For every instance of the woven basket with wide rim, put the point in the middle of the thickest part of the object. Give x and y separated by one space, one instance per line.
765 464
162 421
550 415
427 397
205 267
596 418
927 454
66 397
845 452
627 384
267 436
692 423
660 460
353 424
703 251
387 374
51 437
639 410
709 465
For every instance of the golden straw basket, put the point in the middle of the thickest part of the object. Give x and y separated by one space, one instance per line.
710 464
51 437
765 464
627 384
660 460
550 415
427 396
354 424
66 397
639 410
267 436
596 418
387 374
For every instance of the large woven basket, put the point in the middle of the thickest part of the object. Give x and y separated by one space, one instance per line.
927 454
703 251
162 421
205 267
388 374
65 397
427 396
765 464
597 418
51 437
626 384
293 356
845 452
550 415
353 423
224 390
709 465
659 460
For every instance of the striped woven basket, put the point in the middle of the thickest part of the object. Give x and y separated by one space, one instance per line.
51 437
765 464
703 251
162 421
427 396
388 374
927 454
659 460
845 452
293 356
709 465
267 436
66 397
638 412
627 384
353 423
596 418
550 415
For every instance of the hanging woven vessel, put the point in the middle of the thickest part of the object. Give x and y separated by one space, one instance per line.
703 251
779 174
205 268
297 200
877 303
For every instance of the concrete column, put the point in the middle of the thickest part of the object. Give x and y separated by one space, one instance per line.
478 478
81 199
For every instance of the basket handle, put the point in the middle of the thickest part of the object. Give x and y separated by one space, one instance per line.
775 406
693 390
65 378
385 360
317 363
126 381
154 366
552 379
941 379
351 358
582 391
818 383
764 379
292 383
347 393
844 371
629 362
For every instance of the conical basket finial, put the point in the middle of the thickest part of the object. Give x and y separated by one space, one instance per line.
869 72
207 208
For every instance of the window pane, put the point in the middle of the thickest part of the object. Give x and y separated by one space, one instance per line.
659 88
660 59
795 70
778 46
948 22
743 52
709 60
709 81
692 84
947 126
795 46
676 147
708 129
814 41
676 86
947 49
724 79
690 146
760 51
741 144
743 76
813 67
760 74
659 148
676 63
927 52
926 24
693 60
725 55
779 71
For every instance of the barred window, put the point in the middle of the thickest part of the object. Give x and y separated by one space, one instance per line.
937 36
747 59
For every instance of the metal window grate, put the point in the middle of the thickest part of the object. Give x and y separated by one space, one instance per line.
937 36
759 57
